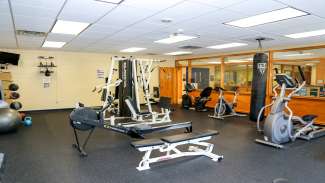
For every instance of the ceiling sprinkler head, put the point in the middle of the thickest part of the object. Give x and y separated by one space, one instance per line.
166 20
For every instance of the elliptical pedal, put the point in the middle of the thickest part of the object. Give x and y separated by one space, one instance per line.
279 146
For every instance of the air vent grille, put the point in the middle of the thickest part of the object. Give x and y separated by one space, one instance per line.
190 47
30 33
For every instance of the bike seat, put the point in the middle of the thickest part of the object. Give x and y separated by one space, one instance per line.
309 117
219 88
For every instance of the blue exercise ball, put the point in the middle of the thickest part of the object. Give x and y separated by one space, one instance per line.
9 120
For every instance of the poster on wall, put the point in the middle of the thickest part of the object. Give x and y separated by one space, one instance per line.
46 82
100 74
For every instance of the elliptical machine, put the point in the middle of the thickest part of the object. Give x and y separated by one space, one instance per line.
281 127
223 108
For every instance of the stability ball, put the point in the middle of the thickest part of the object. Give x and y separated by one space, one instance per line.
9 120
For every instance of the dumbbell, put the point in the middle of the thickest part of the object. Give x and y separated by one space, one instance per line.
16 105
13 87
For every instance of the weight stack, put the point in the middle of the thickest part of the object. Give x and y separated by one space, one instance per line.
258 92
126 88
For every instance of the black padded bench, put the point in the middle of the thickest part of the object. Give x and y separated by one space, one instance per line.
169 145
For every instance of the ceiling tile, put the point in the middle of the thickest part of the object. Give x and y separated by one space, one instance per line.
4 7
31 11
183 11
219 3
291 25
255 7
5 22
59 37
314 6
30 42
123 16
33 23
152 5
85 10
97 31
45 4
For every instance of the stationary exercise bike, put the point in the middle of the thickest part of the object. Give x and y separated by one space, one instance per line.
223 108
186 98
280 126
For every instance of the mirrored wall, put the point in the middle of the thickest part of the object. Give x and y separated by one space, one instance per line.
312 62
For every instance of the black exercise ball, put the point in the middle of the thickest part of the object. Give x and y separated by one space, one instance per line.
9 120
15 105
13 87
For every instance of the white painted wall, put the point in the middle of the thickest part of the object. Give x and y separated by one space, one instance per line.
72 80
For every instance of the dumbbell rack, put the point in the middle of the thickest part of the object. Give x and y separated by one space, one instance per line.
6 79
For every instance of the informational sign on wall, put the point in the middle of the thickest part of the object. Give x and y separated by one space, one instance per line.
46 82
100 74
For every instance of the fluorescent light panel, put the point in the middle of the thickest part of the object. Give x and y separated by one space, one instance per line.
133 49
272 16
53 44
175 39
214 62
307 34
111 1
228 45
69 27
179 53
237 61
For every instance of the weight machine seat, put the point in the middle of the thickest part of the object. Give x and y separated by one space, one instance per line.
173 139
147 143
206 92
309 117
189 136
144 113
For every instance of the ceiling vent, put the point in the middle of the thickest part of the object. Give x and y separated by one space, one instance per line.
152 54
254 39
30 33
190 47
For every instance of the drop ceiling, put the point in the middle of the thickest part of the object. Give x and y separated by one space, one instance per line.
137 23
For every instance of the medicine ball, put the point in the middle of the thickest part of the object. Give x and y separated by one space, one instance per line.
15 105
9 120
13 87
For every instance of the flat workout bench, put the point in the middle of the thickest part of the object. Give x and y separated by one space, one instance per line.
169 145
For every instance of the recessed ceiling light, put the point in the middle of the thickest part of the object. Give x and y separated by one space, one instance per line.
175 38
111 1
272 16
53 44
179 53
133 49
228 45
307 34
69 27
